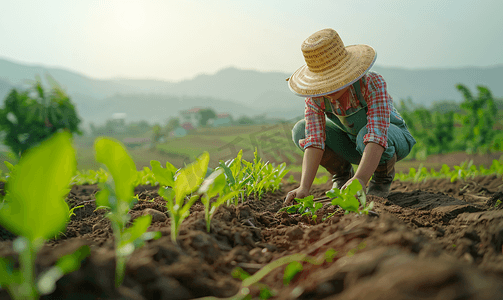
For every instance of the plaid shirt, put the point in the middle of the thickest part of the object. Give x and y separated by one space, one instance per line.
379 103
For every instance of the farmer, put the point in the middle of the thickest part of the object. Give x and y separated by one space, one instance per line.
349 117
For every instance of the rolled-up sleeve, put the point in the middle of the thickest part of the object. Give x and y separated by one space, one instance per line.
315 126
379 109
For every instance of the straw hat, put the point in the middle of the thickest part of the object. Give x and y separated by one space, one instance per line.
330 66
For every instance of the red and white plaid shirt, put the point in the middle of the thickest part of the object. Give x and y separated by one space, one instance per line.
379 103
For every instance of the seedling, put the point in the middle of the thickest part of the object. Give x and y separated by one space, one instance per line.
174 189
236 175
117 195
306 207
350 198
212 186
35 210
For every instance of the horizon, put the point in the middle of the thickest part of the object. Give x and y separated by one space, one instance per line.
180 40
35 65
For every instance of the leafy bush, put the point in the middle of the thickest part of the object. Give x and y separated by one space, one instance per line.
33 115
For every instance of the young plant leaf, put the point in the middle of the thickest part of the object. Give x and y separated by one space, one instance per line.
140 226
42 176
121 166
290 271
163 176
190 177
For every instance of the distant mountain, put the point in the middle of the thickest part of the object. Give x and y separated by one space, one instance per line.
232 90
426 86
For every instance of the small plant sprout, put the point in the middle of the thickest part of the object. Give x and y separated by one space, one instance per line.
236 175
350 198
306 207
117 195
212 186
35 210
174 189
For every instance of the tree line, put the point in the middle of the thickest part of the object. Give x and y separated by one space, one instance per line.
472 126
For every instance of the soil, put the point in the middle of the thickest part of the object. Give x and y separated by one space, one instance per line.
430 240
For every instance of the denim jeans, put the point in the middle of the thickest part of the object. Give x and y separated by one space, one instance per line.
351 147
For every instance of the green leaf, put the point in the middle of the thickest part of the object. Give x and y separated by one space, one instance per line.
103 197
41 177
221 200
214 184
290 271
184 210
240 273
163 176
9 166
190 177
228 173
121 166
139 227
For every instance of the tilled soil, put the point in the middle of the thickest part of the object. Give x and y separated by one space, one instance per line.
431 240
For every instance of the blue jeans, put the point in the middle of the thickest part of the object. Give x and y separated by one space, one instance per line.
400 141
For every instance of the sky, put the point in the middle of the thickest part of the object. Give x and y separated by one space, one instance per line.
176 40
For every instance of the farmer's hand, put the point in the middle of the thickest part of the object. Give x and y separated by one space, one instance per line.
351 180
297 193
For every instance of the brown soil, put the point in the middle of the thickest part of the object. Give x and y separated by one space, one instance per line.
431 240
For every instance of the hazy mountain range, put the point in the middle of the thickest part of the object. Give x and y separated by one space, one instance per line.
231 90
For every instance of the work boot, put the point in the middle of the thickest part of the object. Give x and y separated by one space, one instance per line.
340 169
384 174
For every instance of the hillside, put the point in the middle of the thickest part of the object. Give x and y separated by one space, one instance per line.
232 90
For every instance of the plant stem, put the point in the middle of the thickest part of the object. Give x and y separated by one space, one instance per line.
27 289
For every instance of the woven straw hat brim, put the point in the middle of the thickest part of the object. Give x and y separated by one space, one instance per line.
306 83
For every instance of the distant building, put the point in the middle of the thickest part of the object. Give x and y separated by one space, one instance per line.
221 120
178 132
188 126
191 116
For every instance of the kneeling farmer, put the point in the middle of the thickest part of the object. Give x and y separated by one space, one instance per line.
349 117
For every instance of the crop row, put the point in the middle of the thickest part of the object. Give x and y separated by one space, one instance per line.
34 206
462 172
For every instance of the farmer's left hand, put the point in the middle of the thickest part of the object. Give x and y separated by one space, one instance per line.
351 180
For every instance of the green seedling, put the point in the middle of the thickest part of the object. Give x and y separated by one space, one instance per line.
214 185
252 178
237 176
350 198
35 210
146 177
90 177
174 189
71 213
306 207
117 196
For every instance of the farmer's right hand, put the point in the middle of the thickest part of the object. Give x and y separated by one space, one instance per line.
297 193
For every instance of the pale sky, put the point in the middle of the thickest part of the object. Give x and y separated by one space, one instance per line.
179 39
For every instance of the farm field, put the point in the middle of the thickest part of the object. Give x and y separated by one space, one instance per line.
430 240
272 141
